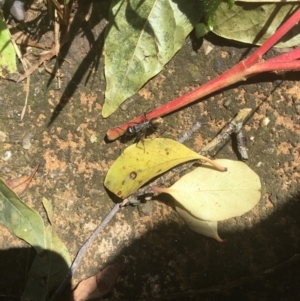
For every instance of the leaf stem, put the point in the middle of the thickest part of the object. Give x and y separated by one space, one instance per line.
213 163
241 71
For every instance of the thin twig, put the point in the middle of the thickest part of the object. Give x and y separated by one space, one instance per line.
242 145
25 65
234 126
57 43
26 98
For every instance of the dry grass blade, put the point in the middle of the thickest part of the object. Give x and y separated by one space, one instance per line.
63 15
21 38
45 56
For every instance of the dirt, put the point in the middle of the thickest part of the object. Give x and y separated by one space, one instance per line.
163 259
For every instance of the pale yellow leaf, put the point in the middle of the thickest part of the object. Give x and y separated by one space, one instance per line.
211 195
206 228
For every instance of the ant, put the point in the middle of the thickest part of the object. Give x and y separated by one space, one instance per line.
141 128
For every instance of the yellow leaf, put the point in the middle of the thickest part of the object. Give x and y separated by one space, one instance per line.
147 159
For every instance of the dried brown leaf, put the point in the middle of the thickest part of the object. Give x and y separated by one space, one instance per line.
19 185
99 284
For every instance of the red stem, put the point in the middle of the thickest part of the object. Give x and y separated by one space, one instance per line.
289 56
269 66
278 34
218 83
241 71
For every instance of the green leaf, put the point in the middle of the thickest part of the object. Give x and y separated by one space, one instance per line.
141 38
206 26
20 219
37 280
202 29
52 261
143 161
49 267
210 195
254 23
49 209
53 242
7 51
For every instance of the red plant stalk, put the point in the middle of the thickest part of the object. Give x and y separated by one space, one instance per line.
241 71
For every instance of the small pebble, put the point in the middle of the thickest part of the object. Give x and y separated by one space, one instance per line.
6 156
26 143
227 102
93 138
36 91
207 47
17 10
265 122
